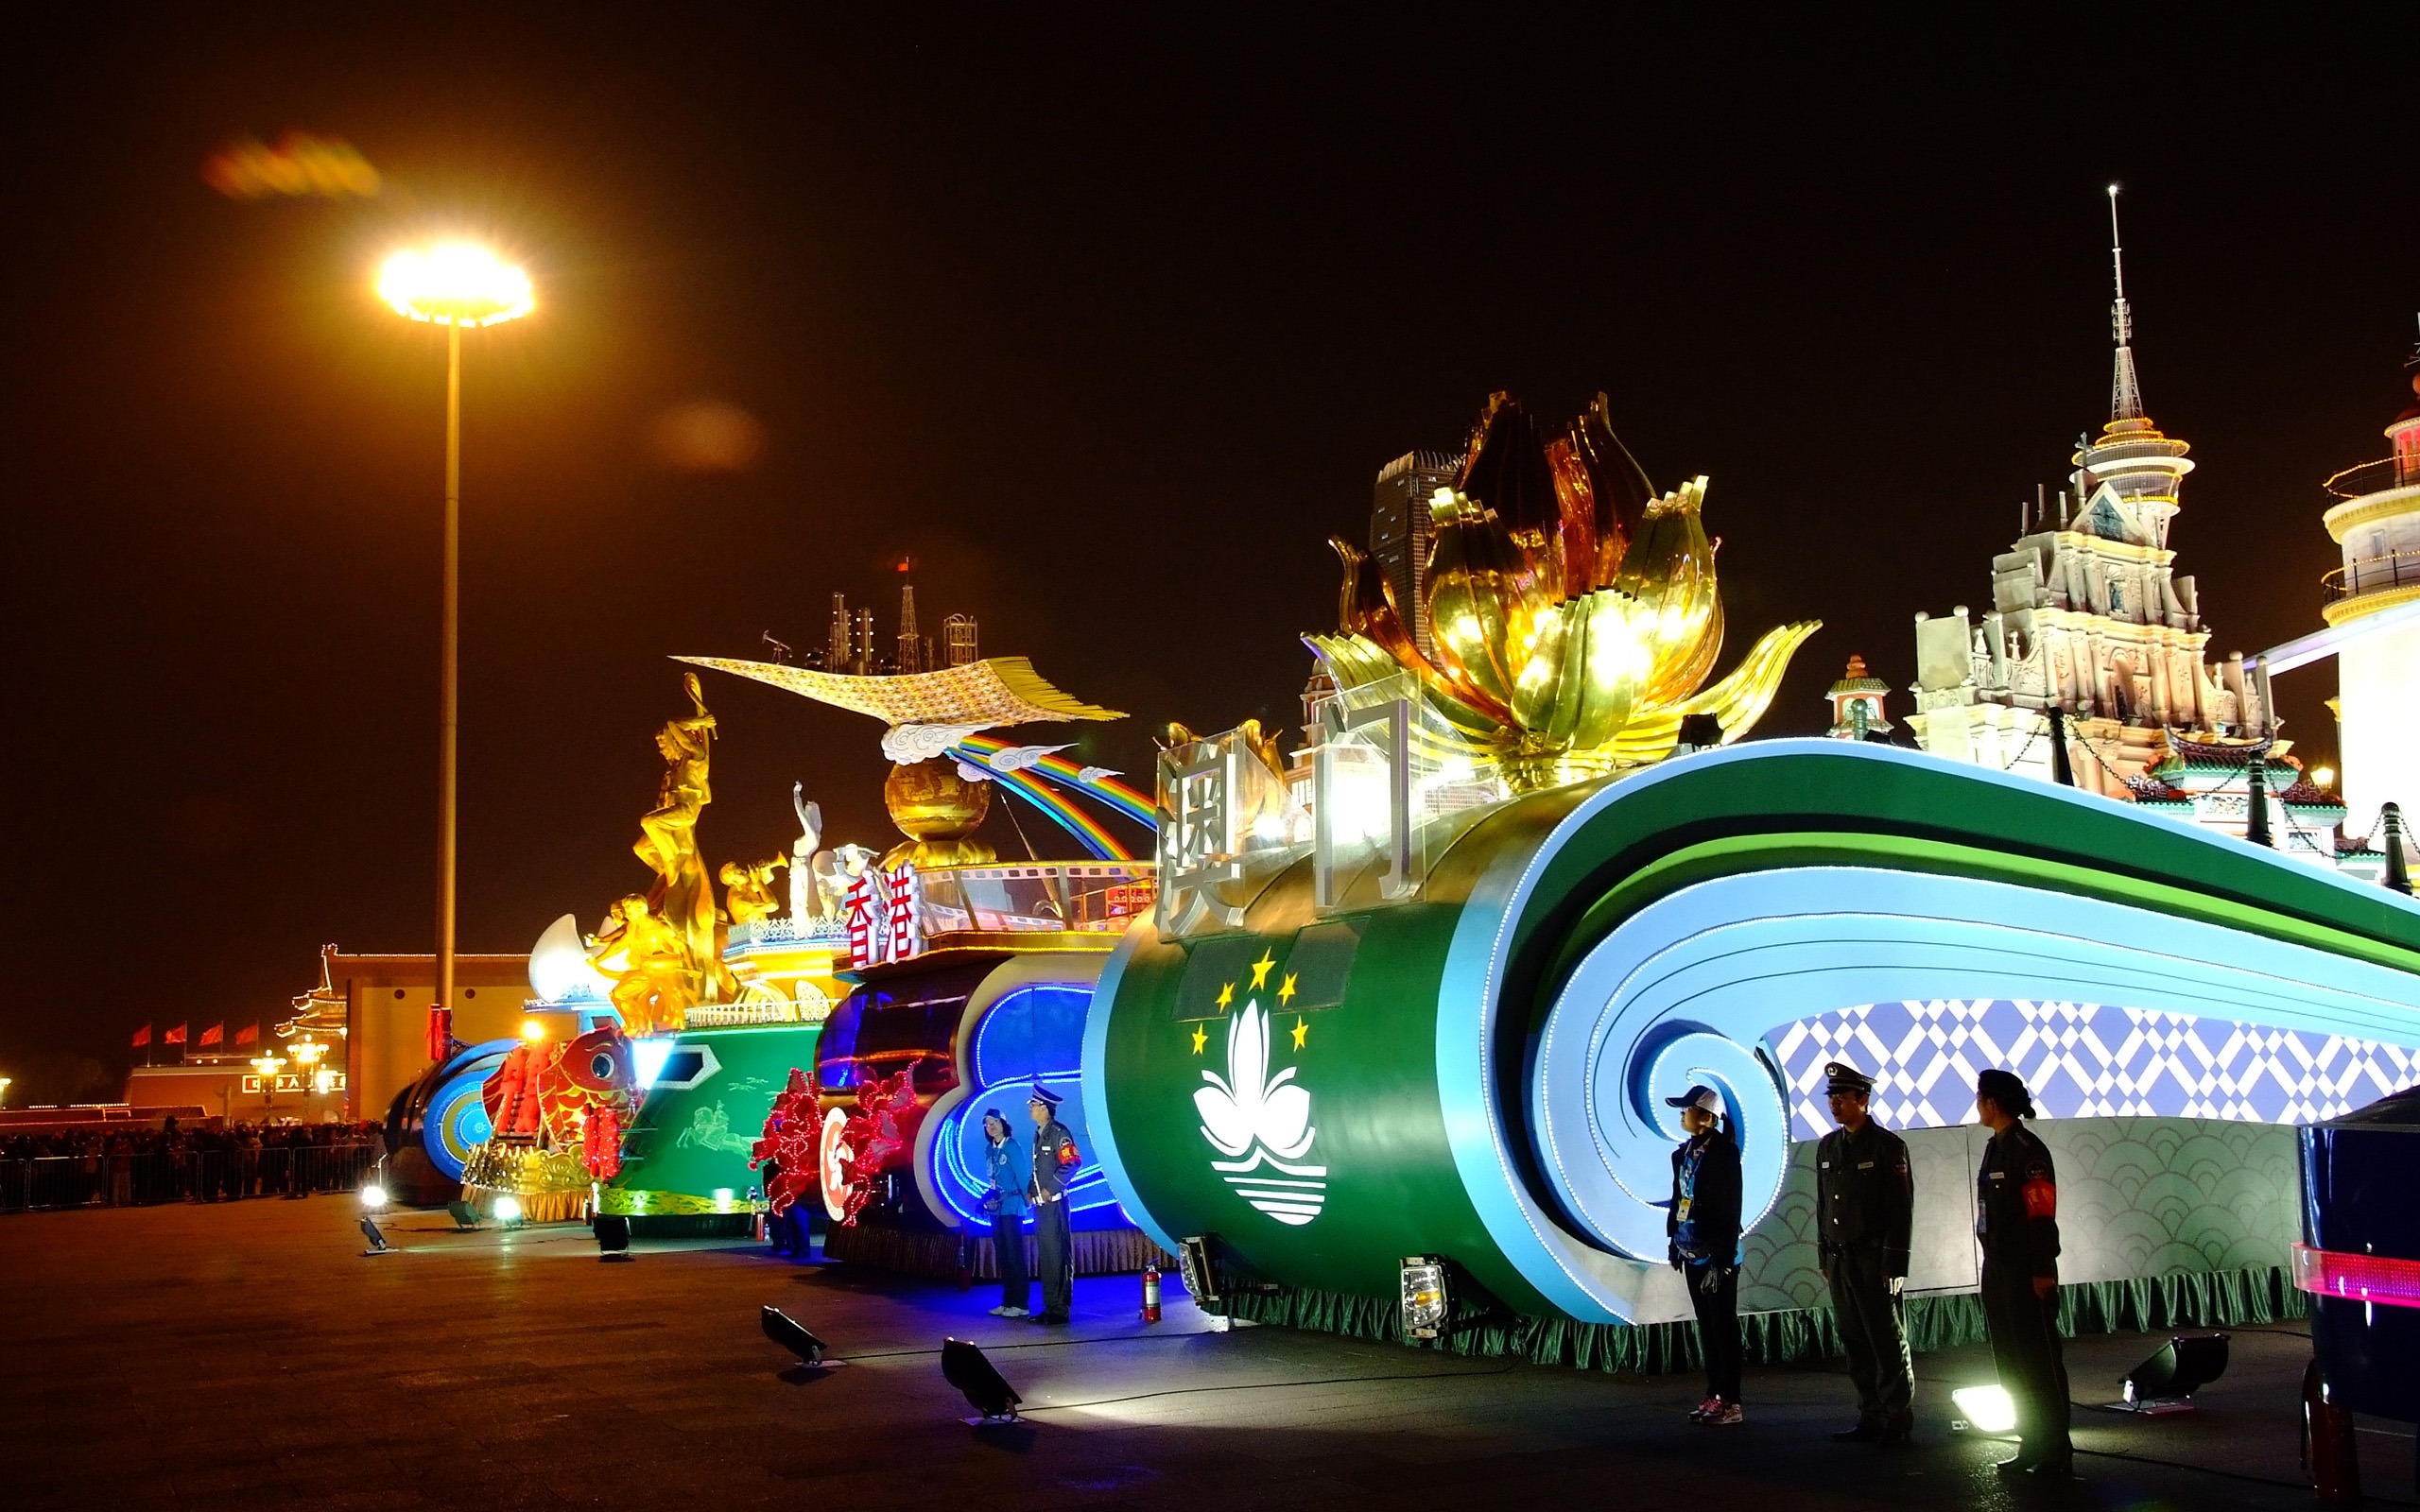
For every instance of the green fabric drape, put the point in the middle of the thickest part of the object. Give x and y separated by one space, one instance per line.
2261 1294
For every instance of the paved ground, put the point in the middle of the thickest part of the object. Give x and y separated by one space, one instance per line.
241 1356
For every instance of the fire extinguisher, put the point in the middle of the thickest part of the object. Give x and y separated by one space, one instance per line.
2328 1444
1151 1293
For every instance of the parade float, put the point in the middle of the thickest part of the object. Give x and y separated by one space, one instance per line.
1428 1034
967 978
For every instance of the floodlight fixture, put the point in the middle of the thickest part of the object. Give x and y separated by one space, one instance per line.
1988 1409
455 283
985 1390
613 1236
507 1211
1427 1296
466 1218
374 1196
791 1335
1193 1262
2165 1382
378 1245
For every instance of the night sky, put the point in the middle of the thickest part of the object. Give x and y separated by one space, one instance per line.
1107 322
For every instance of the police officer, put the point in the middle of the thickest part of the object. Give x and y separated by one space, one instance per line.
1702 1225
1055 1159
1865 1205
2016 1216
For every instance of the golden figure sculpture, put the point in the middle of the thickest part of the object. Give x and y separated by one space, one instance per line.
748 889
683 898
1572 609
653 983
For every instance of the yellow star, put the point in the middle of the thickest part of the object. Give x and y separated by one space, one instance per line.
1199 1039
1226 995
1285 988
1302 1032
1260 969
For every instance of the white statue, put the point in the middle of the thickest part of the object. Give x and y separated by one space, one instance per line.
806 905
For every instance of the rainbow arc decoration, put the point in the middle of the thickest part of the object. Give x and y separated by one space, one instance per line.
936 713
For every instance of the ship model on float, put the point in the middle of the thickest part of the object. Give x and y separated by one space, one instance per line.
967 978
1435 1010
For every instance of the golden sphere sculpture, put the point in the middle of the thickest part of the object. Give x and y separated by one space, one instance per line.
938 811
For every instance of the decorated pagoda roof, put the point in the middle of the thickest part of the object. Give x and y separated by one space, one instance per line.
1857 679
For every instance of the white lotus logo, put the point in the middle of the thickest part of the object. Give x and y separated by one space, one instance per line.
1258 1122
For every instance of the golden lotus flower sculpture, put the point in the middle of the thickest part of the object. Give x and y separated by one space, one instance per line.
1572 610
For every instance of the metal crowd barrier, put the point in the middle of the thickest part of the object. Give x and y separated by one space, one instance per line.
184 1176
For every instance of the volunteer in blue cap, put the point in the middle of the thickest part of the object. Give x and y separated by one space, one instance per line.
2016 1216
1704 1227
1055 1160
1866 1213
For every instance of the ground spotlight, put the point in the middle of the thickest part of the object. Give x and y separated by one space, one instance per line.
964 1366
507 1211
377 1241
2167 1380
1988 1409
374 1196
1427 1298
792 1335
466 1218
613 1236
1193 1259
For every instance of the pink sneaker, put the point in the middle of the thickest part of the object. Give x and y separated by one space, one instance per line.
1706 1409
1724 1415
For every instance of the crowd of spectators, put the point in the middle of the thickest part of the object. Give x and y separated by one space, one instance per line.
173 1138
210 1161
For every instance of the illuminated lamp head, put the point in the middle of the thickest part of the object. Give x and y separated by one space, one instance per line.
455 283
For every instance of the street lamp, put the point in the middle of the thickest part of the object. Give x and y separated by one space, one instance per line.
306 1053
451 284
268 1066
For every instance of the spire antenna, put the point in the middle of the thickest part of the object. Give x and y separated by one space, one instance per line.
2125 392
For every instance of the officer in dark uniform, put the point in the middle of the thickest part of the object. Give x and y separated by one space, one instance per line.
2016 1217
1865 1207
1055 1163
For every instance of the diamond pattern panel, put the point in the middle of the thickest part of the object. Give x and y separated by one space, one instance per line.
2081 1061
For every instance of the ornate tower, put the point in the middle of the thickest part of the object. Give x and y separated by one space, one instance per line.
911 645
2087 615
1857 703
2375 519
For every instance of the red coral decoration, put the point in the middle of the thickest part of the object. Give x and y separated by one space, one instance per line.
792 1133
875 1137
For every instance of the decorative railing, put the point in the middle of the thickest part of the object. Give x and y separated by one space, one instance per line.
2371 575
2364 479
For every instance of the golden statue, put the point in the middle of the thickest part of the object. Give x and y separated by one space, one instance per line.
748 889
653 984
683 898
1572 609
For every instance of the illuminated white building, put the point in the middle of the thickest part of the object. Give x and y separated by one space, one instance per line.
2376 521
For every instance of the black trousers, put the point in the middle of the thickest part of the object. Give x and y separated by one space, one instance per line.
1057 1257
2032 1362
1008 1247
1718 1309
1871 1326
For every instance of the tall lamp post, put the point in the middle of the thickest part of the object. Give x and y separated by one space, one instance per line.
451 284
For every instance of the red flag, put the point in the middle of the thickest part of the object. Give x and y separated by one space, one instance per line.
249 1035
212 1035
142 1036
174 1037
